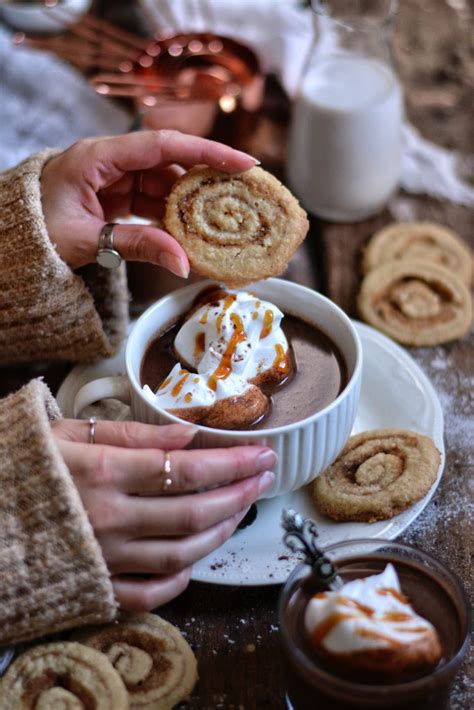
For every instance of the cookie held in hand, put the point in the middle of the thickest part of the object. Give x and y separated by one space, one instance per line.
415 303
419 241
235 228
156 664
378 474
62 675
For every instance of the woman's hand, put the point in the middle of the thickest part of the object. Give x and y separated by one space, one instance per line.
140 528
98 180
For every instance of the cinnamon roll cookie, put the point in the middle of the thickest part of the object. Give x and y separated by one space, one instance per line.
378 474
235 228
420 241
156 664
62 675
415 303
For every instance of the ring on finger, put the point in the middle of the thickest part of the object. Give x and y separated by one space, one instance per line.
92 429
166 472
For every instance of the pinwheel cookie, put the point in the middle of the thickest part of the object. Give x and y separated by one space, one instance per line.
419 241
156 664
379 474
415 303
235 228
62 675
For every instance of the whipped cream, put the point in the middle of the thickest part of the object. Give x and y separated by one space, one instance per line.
364 614
228 342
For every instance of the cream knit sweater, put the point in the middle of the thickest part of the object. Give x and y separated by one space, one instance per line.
52 573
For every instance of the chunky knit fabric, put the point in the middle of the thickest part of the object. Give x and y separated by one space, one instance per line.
46 311
52 573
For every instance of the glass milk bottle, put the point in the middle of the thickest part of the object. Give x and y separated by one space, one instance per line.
344 153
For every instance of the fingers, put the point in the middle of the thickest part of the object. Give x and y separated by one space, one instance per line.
190 514
137 242
131 435
142 472
147 149
171 556
146 594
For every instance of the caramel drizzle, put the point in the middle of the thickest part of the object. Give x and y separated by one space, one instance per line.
326 626
228 301
204 317
267 324
370 634
224 368
188 397
237 323
281 361
389 591
199 344
255 315
165 383
179 385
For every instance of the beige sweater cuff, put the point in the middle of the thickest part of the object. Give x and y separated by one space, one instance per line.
52 572
48 312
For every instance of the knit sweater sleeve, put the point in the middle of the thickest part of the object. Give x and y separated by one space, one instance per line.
52 572
47 311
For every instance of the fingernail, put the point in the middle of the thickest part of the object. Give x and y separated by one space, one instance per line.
240 516
174 264
255 160
190 430
267 459
266 481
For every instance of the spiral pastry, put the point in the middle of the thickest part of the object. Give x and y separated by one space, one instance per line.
420 241
62 676
156 664
379 474
415 303
235 228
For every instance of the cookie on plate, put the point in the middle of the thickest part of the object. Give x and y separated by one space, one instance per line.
62 675
235 228
156 664
415 303
420 241
378 474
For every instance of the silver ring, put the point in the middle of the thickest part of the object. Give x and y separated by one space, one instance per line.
107 256
167 482
92 429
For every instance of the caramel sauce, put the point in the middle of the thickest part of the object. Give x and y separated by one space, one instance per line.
237 323
281 361
258 304
255 315
367 610
267 324
370 634
413 630
179 385
322 629
188 397
228 301
389 591
199 344
165 383
204 317
396 616
224 369
196 380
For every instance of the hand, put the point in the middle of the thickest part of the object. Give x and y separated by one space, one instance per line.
143 530
98 180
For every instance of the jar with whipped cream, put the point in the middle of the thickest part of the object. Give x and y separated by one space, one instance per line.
392 636
344 152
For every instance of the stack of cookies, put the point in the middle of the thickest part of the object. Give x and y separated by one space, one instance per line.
141 661
416 284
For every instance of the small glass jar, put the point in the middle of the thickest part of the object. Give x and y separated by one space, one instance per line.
434 592
344 153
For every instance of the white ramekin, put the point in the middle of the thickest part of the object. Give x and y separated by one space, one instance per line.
40 18
304 448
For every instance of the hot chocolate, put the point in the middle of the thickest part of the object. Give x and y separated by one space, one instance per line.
322 680
271 370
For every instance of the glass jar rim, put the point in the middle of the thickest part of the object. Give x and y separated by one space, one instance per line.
385 21
376 691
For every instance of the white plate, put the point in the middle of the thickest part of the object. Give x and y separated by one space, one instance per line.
395 393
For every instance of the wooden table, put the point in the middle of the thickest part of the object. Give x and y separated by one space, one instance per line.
234 630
